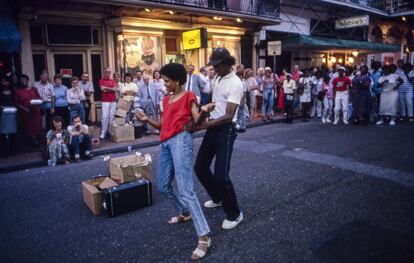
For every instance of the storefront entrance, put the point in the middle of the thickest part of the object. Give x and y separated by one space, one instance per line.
69 65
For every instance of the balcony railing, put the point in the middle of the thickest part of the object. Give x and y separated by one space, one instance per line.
262 8
389 6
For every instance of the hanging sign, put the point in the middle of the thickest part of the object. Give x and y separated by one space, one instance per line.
274 48
66 72
194 39
349 22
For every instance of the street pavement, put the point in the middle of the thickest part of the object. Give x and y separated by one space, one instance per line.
309 193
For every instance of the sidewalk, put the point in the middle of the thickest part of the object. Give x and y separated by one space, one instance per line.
31 160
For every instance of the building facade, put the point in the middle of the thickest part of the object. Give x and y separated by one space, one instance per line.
84 36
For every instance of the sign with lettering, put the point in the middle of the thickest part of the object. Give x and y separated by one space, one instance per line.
274 48
66 72
194 39
349 22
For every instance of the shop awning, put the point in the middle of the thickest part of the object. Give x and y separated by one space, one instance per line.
324 43
10 39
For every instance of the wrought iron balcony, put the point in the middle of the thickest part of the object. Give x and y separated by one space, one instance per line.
263 8
388 6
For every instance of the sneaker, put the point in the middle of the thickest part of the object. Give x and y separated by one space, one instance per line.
211 204
410 120
227 224
328 121
323 120
89 156
336 122
346 122
381 122
102 136
392 123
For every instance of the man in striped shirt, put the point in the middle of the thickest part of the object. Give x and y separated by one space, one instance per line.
406 91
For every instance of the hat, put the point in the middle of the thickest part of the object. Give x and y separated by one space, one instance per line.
268 69
218 56
288 75
341 68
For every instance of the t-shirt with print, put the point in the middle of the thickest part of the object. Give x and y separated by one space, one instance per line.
108 96
341 83
229 89
176 115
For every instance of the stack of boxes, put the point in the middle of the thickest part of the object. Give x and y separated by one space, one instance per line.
121 170
121 131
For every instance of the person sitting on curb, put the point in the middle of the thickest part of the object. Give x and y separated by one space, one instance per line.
80 141
57 142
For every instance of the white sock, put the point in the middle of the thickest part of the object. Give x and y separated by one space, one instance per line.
87 152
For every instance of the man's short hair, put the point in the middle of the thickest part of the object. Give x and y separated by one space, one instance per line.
57 76
72 79
75 117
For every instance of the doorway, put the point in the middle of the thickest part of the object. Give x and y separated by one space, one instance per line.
69 65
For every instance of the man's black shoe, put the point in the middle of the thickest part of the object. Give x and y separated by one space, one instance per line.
89 156
241 130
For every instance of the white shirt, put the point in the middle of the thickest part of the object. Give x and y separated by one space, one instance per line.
228 89
392 82
289 87
306 96
124 87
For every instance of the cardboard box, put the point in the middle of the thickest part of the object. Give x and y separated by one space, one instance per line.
122 133
96 142
98 114
92 192
94 131
121 113
119 121
129 168
124 105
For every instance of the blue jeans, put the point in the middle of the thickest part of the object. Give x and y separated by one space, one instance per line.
406 104
77 109
269 97
79 146
218 142
176 159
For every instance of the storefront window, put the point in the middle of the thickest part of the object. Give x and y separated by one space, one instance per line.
233 46
138 52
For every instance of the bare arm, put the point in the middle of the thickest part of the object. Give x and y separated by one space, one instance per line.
226 118
142 117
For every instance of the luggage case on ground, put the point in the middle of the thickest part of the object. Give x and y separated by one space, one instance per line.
126 197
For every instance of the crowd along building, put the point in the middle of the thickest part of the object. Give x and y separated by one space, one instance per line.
76 36
348 32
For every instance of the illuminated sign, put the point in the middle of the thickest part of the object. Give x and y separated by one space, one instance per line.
194 39
350 22
66 72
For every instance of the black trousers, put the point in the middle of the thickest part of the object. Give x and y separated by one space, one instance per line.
218 142
289 108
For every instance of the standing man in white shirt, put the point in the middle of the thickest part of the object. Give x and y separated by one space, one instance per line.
219 139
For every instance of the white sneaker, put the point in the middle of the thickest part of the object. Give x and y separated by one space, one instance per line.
392 123
328 121
232 224
323 120
211 204
102 136
336 122
381 122
346 122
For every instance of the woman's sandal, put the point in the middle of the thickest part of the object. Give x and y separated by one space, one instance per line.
179 219
199 253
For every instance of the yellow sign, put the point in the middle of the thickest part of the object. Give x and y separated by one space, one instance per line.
194 39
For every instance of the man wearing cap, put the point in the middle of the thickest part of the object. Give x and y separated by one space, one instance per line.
219 139
341 85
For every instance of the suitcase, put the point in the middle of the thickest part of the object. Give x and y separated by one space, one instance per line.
126 197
